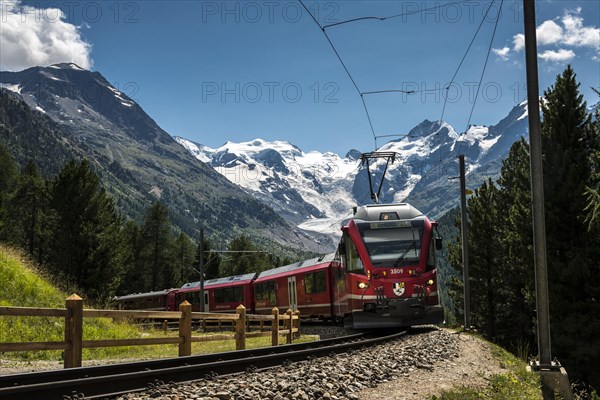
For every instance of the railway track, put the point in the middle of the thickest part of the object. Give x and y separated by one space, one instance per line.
112 380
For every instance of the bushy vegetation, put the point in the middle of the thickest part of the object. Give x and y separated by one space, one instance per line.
501 245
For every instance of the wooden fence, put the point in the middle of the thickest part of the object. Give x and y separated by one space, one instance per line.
74 315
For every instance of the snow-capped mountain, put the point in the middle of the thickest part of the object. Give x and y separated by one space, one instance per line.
300 186
317 190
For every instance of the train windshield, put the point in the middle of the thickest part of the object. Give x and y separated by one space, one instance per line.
393 243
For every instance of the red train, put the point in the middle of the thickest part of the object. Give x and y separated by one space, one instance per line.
382 275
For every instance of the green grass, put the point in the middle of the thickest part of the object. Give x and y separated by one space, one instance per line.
22 285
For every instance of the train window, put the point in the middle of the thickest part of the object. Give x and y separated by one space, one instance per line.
393 246
266 291
353 262
229 295
315 282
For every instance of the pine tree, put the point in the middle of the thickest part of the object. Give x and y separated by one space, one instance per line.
485 255
212 261
212 265
593 188
573 255
185 251
156 248
86 233
448 230
454 282
8 179
133 278
29 205
565 128
244 258
517 261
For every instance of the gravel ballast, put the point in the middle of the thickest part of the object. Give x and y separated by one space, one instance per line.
342 376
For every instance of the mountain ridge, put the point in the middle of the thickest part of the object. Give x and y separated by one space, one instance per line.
316 190
139 161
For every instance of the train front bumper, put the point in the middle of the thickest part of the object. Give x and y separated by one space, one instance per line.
398 313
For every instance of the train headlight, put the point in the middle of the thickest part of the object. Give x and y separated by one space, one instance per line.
430 282
362 285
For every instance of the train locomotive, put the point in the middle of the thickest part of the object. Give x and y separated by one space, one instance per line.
382 275
388 257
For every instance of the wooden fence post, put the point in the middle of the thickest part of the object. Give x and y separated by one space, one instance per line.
185 329
289 325
296 324
275 327
240 328
73 331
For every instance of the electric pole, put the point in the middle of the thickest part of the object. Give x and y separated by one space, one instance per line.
202 305
465 243
553 376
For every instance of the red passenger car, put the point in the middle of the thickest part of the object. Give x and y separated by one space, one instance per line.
162 300
221 294
303 286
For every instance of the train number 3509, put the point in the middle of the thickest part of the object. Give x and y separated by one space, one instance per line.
396 271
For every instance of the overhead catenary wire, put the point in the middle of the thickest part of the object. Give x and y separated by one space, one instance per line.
460 64
360 93
482 72
345 69
363 94
396 15
464 57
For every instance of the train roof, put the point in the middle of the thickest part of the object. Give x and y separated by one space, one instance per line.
143 295
302 265
382 212
220 281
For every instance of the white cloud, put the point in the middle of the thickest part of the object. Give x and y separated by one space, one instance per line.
549 32
559 56
578 35
39 37
572 33
519 41
502 53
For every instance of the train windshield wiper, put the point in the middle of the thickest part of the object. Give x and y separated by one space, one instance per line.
404 254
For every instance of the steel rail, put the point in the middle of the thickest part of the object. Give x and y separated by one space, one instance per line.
110 380
113 369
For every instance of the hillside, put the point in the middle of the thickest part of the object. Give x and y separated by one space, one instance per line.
24 285
137 160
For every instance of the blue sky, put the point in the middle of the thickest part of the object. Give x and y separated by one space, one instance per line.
213 71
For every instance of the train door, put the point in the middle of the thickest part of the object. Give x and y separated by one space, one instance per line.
292 294
206 303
